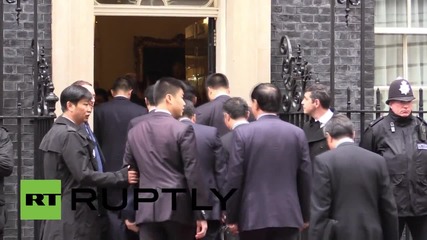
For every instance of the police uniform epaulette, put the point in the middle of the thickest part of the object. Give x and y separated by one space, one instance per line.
376 121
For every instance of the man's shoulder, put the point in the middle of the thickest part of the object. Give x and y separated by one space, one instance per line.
377 122
204 107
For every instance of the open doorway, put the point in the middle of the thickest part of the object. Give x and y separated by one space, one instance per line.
149 48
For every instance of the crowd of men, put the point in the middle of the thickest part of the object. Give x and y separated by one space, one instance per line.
232 165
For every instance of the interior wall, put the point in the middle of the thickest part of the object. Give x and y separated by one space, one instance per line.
114 54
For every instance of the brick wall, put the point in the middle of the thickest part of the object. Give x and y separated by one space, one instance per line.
17 74
308 22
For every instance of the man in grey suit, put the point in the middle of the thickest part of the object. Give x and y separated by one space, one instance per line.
270 167
352 196
211 113
212 162
162 150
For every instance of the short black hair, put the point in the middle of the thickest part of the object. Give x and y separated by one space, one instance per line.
339 126
236 107
189 92
217 80
102 92
81 83
268 97
320 92
122 83
149 94
189 109
73 94
166 85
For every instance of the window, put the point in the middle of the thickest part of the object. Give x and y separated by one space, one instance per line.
199 3
400 45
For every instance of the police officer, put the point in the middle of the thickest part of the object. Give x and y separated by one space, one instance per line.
400 138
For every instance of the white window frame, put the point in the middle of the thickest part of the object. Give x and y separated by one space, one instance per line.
156 11
404 32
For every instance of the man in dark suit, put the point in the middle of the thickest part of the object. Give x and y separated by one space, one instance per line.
316 104
149 102
211 157
211 113
111 122
351 185
270 167
162 149
236 114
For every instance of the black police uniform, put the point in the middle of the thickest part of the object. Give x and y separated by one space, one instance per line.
402 142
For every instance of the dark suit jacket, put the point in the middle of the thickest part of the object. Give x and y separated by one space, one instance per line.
316 138
110 128
212 114
270 166
162 150
136 120
212 162
226 141
352 186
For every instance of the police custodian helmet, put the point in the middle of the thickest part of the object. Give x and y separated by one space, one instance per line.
400 90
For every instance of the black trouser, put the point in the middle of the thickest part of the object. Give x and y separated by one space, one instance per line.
168 230
417 226
3 219
116 226
270 234
303 235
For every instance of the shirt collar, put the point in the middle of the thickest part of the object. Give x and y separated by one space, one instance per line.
265 114
344 140
325 118
238 123
163 111
220 94
185 119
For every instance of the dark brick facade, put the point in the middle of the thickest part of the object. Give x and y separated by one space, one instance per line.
17 74
308 23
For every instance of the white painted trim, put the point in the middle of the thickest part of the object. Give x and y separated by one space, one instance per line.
155 11
412 31
221 33
405 56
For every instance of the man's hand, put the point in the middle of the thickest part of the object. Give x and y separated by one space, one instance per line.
132 177
202 227
131 226
304 226
234 229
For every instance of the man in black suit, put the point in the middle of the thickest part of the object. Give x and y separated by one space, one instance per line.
236 114
111 122
162 149
270 167
211 113
316 104
151 106
351 185
211 157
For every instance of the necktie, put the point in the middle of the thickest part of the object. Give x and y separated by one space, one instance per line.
97 154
